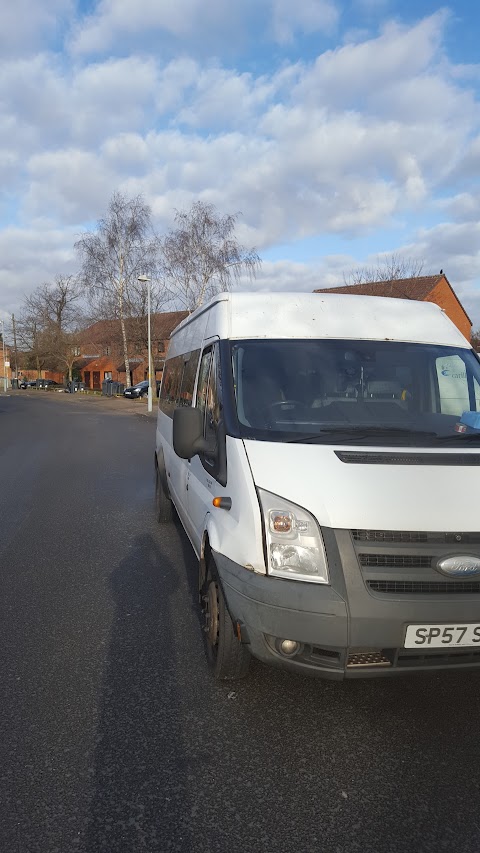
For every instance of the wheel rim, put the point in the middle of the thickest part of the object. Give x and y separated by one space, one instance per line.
212 622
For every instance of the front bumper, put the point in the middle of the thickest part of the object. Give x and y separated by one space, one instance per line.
344 633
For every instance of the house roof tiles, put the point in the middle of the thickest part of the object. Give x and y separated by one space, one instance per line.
162 325
417 288
401 288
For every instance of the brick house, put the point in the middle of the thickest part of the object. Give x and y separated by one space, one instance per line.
424 288
100 353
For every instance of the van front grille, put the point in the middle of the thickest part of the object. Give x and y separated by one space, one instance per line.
368 659
388 536
407 657
400 561
414 536
425 587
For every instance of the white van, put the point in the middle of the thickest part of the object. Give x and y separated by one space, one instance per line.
322 452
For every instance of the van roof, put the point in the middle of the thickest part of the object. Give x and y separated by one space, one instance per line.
241 315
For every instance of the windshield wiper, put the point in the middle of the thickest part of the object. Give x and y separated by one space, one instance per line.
461 436
366 431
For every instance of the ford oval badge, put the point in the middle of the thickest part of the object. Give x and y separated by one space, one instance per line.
462 566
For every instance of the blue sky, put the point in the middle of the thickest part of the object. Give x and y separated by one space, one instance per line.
343 132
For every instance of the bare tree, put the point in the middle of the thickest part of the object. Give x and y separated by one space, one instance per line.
32 341
122 248
201 256
50 322
56 304
391 268
64 348
475 339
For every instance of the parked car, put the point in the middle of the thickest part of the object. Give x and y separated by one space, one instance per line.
28 383
50 383
138 390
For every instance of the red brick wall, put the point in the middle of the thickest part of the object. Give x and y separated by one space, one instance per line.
444 296
44 374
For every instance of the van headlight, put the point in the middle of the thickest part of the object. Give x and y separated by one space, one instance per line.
294 543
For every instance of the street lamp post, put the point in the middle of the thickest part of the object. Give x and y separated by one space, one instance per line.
145 280
4 360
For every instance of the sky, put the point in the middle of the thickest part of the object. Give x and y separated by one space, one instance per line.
340 131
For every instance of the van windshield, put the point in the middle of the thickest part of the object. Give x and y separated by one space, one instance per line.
358 392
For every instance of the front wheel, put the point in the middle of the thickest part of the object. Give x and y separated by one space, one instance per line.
228 658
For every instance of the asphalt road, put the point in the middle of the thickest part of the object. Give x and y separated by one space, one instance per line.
113 736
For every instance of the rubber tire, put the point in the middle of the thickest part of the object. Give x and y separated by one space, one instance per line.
163 502
230 660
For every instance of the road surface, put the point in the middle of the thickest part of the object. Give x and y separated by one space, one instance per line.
113 736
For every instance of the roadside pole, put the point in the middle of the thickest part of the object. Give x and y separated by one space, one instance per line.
4 360
15 348
145 280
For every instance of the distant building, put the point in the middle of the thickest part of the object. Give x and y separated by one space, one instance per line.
424 288
101 356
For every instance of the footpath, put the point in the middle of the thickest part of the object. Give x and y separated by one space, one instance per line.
115 405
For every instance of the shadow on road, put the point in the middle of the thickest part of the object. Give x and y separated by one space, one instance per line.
277 763
139 766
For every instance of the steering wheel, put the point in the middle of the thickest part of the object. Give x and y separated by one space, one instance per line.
289 403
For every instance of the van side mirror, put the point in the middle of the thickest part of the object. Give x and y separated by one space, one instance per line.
188 439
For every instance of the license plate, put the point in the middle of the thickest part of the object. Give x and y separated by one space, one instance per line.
440 636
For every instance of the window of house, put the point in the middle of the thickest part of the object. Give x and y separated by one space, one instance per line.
161 347
107 374
106 351
76 350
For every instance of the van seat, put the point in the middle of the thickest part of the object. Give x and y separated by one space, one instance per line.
384 389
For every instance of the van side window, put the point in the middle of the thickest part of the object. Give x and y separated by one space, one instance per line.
190 364
212 410
178 382
203 377
208 401
169 394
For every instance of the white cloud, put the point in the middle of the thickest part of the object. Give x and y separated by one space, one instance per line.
291 17
372 6
206 26
31 256
71 185
463 206
293 276
353 75
455 248
25 24
114 95
462 267
34 101
349 144
223 99
190 21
